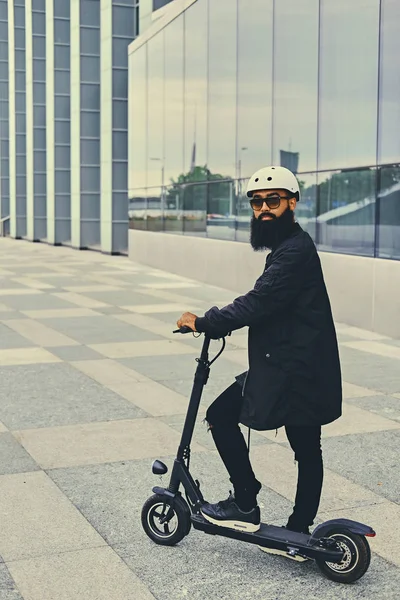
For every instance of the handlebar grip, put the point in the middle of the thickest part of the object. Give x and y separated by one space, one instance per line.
183 329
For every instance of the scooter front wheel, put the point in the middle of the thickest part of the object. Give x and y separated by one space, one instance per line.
166 521
356 557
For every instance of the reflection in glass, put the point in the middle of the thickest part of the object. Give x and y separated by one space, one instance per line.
155 115
222 88
137 115
194 209
346 211
306 209
389 212
137 209
221 208
389 105
255 42
348 83
195 150
173 100
295 84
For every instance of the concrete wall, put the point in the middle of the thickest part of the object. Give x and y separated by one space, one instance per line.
364 292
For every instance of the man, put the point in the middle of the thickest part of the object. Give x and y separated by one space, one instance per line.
294 377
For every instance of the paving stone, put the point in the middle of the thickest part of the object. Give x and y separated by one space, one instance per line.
14 458
69 397
385 406
8 589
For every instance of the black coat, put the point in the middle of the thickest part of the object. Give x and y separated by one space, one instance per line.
294 373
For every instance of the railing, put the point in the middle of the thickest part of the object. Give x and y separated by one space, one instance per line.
3 222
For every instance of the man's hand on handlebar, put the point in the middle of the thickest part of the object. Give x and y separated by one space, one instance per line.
187 320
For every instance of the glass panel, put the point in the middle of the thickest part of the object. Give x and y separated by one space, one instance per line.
39 116
39 46
61 31
39 138
90 152
90 124
90 179
62 107
19 16
194 203
20 123
389 213
137 209
221 209
120 114
254 86
306 209
119 175
20 60
63 206
296 84
173 210
61 57
90 13
39 93
21 165
3 71
346 211
20 144
389 106
20 102
120 206
61 82
63 132
120 83
195 155
122 21
90 96
90 206
348 83
19 39
155 116
222 88
120 145
62 157
39 23
173 99
61 8
20 81
137 111
62 182
40 184
20 186
90 69
39 5
39 70
120 52
90 40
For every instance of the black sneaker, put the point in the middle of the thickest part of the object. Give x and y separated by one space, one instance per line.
227 514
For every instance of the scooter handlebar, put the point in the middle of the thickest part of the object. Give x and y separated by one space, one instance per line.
183 329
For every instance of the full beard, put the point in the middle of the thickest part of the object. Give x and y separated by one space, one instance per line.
268 234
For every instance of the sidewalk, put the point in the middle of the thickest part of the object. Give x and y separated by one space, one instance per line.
94 386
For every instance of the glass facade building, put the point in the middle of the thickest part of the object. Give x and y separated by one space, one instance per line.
220 89
64 120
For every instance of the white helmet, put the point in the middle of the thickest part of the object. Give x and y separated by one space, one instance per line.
275 178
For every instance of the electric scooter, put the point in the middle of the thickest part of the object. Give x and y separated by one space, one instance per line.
339 546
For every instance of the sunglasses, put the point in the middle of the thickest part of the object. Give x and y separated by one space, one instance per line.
272 201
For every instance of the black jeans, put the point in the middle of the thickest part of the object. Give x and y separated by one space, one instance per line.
223 419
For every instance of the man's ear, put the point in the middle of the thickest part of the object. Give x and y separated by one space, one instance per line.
292 203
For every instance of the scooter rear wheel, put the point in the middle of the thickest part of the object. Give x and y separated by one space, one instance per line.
166 521
356 559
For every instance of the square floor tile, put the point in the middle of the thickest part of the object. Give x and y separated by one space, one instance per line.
75 353
8 588
95 443
67 397
100 329
157 348
39 519
385 406
26 356
10 339
14 458
95 574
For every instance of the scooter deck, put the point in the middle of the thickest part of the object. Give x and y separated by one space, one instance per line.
270 536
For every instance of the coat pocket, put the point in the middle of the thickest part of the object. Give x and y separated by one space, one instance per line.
266 396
